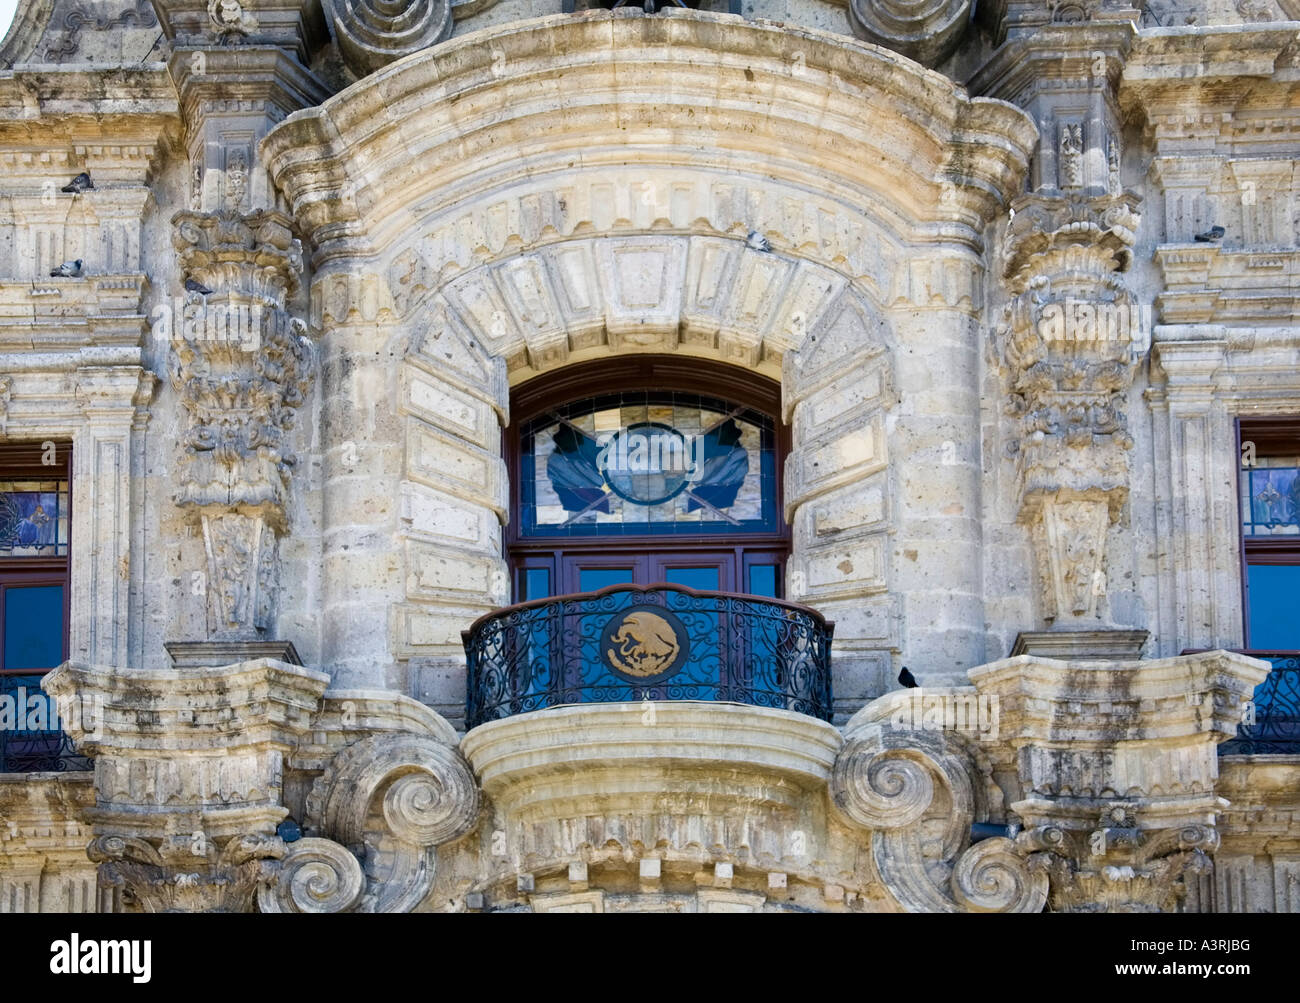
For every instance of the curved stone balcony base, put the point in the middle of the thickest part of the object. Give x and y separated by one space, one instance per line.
680 800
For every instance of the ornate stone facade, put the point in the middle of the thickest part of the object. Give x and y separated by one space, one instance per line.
1017 268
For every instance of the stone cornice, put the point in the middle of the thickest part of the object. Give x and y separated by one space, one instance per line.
460 119
1053 58
1183 70
38 90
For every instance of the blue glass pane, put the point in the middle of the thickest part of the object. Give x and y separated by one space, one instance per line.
33 627
762 580
1274 625
591 579
537 583
33 518
704 579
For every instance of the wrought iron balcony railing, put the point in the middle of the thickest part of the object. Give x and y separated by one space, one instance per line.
659 642
1273 722
31 739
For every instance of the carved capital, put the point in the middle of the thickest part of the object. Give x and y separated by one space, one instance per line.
186 873
1118 867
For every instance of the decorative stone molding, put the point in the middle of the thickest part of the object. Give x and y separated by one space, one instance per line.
189 774
927 31
748 785
243 367
373 33
326 161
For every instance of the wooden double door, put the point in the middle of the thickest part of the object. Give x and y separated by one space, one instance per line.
748 570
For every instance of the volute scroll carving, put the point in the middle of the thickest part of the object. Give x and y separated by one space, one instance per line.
375 819
918 794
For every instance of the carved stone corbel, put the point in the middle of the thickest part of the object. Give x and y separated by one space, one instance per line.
918 793
927 31
376 817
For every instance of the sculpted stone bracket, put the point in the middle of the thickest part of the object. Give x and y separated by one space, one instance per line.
242 367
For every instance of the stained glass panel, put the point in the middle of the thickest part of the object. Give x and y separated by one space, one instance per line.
648 462
1270 497
33 518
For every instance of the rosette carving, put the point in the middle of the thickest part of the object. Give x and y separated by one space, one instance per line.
924 30
373 33
392 800
316 875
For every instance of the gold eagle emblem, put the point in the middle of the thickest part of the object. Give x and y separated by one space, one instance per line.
645 644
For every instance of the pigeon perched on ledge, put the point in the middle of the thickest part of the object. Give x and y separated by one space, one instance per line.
907 679
81 183
67 270
194 286
756 241
1209 236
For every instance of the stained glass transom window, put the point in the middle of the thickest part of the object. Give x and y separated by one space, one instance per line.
648 462
1270 497
33 518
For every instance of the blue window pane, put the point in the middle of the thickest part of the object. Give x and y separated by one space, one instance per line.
591 579
537 583
704 579
762 580
1273 622
33 627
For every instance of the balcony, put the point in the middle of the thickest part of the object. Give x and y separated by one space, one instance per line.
660 642
1275 728
31 740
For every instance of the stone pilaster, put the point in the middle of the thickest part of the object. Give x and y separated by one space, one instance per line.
243 366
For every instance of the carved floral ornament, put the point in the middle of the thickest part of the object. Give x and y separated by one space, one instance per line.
242 368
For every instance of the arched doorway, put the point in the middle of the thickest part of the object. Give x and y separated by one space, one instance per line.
647 469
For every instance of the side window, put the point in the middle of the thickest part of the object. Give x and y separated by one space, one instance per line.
1269 491
35 518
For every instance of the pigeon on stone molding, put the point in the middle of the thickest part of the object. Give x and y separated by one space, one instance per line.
81 183
67 270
